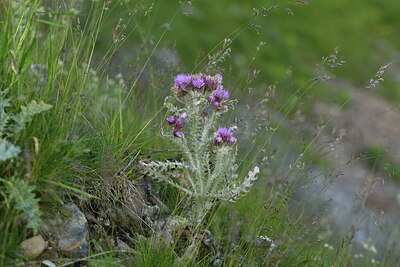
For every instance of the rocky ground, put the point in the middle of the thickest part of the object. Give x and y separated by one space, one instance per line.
359 189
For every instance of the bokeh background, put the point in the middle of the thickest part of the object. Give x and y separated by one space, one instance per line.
357 98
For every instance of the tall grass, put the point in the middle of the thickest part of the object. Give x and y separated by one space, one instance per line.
107 115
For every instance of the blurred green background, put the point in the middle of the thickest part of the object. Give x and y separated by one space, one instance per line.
297 34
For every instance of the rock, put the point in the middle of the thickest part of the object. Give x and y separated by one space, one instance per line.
33 247
121 245
72 241
50 253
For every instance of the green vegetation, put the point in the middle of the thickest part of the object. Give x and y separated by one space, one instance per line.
364 31
377 159
82 87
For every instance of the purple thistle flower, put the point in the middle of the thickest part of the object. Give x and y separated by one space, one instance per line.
217 104
211 82
218 96
182 80
171 120
221 94
198 82
214 82
231 141
177 123
217 140
208 80
219 78
180 121
177 133
224 135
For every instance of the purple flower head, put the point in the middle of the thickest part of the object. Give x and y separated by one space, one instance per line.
231 141
218 96
210 82
177 123
221 94
217 140
213 82
177 133
171 120
224 135
182 80
180 121
219 78
198 82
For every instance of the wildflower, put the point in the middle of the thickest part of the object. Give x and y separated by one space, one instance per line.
209 80
224 135
218 96
171 120
217 140
219 78
178 124
185 82
181 121
213 82
198 82
221 94
182 80
177 133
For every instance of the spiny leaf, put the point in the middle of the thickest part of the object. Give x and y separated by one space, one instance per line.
8 150
35 108
25 201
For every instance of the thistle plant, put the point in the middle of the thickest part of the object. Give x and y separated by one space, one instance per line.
208 170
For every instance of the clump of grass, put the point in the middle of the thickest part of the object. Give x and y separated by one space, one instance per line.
377 159
43 146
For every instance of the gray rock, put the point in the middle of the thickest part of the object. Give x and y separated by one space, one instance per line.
121 245
33 247
72 241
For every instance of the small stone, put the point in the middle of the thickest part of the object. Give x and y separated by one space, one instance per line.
72 241
121 245
33 247
50 253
